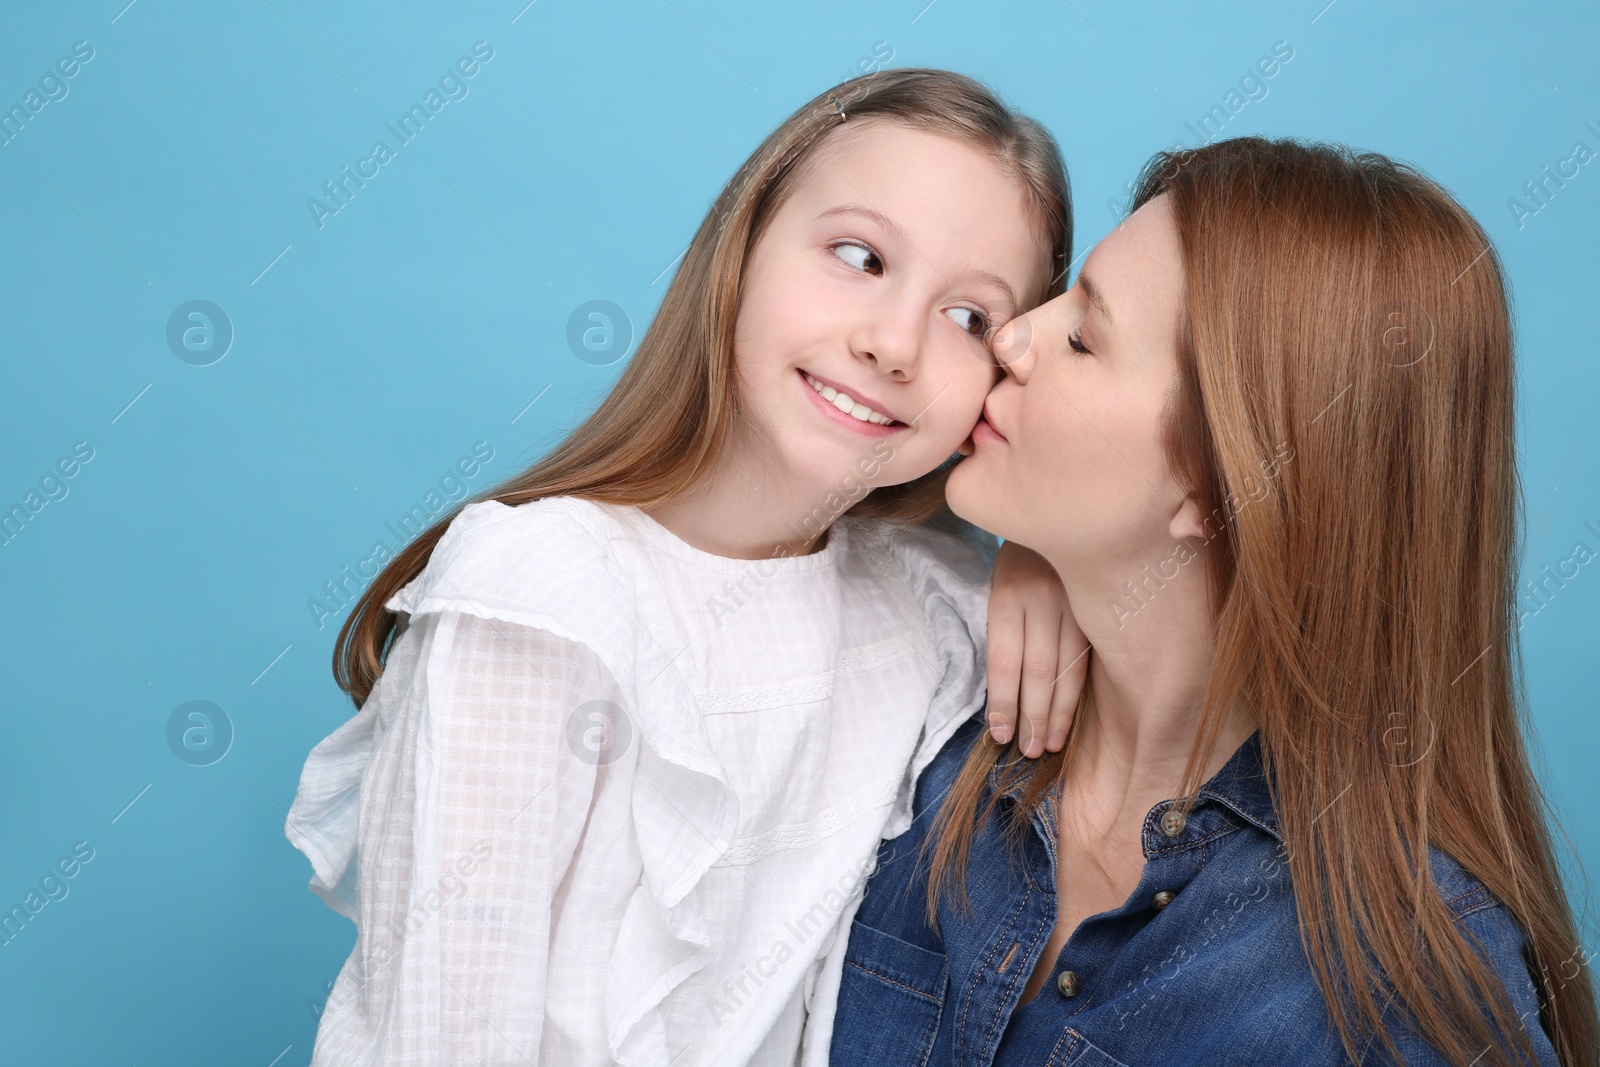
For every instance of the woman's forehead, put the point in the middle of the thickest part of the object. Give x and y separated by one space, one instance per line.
1141 257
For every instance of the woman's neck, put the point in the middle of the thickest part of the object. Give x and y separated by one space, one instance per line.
1148 675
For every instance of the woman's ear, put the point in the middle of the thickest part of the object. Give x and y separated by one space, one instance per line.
1187 521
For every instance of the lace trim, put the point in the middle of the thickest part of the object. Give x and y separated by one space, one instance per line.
874 655
764 696
748 850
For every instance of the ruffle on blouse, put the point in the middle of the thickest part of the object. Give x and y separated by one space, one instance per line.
557 564
552 564
325 815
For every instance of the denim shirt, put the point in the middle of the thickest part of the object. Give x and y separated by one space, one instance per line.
1202 964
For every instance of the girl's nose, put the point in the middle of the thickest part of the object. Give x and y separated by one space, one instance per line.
892 340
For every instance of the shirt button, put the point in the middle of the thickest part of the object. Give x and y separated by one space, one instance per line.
1173 822
1067 983
1162 899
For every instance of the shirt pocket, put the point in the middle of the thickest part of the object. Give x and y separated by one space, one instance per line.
891 996
1075 1050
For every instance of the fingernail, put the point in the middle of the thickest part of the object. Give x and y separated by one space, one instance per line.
1056 741
1034 749
1002 734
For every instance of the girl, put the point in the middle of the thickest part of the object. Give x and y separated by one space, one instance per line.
614 785
1291 428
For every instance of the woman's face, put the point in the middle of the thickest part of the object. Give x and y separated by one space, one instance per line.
1068 459
876 280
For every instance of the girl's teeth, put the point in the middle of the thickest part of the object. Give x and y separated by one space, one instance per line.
845 404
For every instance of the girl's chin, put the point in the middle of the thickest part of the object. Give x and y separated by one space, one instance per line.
847 475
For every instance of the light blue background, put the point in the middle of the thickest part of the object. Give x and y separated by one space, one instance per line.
372 353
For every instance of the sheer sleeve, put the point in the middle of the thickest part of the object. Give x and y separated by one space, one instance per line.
985 543
483 767
947 578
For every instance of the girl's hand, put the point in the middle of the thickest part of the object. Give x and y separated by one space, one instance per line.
1038 656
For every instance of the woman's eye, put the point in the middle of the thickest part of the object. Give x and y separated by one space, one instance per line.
859 256
976 323
1076 344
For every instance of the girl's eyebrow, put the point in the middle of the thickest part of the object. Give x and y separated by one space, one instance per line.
871 215
875 216
998 282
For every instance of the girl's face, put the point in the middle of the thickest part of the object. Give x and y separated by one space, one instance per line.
1068 459
872 288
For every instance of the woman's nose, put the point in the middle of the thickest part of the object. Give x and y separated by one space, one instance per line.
1012 345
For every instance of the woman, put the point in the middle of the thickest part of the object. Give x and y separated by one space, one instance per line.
1266 441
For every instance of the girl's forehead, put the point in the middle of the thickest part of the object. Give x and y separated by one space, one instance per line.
912 175
889 141
947 198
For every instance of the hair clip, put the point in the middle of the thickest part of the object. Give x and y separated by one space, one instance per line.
842 116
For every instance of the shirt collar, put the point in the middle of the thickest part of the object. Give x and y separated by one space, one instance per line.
1240 785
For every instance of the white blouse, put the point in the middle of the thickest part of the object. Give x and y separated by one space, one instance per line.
615 799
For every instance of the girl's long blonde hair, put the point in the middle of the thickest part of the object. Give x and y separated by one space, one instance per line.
673 410
1345 306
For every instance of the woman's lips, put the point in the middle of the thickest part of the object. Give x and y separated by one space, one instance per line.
985 431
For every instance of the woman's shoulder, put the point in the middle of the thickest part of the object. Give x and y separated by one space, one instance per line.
1497 932
1463 893
935 782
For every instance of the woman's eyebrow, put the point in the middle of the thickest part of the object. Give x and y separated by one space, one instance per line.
875 216
1096 299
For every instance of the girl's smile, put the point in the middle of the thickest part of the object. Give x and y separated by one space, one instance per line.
866 416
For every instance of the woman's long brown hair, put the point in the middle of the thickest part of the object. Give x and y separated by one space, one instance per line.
1344 306
674 408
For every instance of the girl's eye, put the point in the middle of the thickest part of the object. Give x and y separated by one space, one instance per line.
1076 344
977 323
859 256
